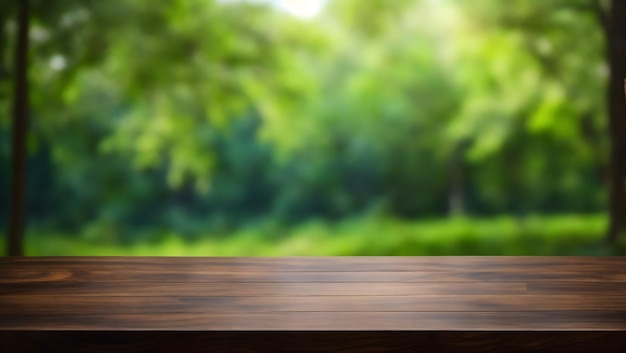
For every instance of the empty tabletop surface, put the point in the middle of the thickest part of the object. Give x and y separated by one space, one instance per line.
313 293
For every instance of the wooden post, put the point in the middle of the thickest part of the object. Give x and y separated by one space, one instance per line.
616 45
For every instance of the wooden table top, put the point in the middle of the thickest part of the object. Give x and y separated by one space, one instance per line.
313 294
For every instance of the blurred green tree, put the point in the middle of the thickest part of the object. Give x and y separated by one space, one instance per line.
194 116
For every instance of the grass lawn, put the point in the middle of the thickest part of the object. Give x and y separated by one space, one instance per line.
541 235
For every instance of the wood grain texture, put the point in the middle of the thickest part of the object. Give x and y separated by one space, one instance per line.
19 305
333 264
208 275
322 321
344 300
157 289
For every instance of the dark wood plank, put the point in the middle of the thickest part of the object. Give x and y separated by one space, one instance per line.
333 264
314 270
373 304
168 275
257 294
185 289
324 321
79 305
579 288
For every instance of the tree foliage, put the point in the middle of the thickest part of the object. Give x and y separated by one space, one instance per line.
189 114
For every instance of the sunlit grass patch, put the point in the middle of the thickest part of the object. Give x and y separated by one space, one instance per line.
537 235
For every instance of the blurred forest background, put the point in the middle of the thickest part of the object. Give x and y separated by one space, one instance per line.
311 127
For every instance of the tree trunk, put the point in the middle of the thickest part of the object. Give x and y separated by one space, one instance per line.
20 127
456 202
617 119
